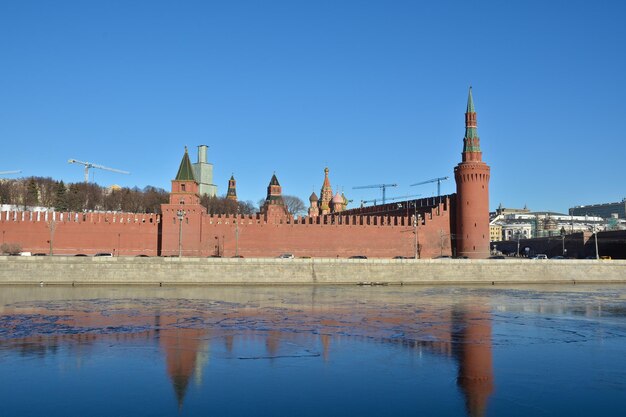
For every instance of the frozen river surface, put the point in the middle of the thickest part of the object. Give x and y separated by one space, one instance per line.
313 351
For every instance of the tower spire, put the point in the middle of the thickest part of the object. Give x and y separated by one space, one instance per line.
472 192
185 170
470 102
231 194
471 141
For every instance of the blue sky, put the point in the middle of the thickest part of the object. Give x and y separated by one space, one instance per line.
375 90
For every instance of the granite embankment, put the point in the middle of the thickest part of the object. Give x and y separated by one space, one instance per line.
202 271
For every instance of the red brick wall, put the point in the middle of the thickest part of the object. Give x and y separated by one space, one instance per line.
90 233
326 236
204 235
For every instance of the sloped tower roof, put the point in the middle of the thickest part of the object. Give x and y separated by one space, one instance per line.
274 180
185 171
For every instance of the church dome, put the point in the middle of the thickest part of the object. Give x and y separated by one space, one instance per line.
313 197
337 199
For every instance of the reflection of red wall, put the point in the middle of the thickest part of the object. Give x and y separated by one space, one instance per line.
89 233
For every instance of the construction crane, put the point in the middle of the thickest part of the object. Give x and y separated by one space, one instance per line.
437 180
399 197
10 172
381 186
91 165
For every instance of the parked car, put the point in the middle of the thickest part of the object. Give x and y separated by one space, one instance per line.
236 256
286 256
104 254
497 257
540 256
558 257
40 254
358 257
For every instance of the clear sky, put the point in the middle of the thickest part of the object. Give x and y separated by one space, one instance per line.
375 90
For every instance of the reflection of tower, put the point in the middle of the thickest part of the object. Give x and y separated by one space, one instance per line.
183 349
472 338
472 192
272 342
229 342
325 345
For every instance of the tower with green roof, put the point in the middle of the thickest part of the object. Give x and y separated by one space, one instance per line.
472 195
185 189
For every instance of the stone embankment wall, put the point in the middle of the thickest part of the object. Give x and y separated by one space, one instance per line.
201 271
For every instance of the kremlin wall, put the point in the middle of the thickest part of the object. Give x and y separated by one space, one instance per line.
452 225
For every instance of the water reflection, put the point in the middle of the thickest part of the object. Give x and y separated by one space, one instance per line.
192 327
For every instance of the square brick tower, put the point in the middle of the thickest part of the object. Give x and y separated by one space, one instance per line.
181 217
472 192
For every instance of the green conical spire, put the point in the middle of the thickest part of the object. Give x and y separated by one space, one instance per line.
471 142
185 171
470 102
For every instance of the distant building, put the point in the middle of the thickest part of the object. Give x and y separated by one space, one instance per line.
495 232
327 203
605 210
203 173
526 224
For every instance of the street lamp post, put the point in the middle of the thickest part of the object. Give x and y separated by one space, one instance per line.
416 219
237 233
519 233
52 225
595 233
181 215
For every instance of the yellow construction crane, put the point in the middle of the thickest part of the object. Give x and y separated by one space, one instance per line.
92 165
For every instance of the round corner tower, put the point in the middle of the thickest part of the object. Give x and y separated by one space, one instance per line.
472 193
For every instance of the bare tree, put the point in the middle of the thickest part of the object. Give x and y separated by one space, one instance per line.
294 205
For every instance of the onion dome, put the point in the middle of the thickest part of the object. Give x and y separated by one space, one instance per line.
337 199
313 197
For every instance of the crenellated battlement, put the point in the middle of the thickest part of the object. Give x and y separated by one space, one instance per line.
399 216
78 217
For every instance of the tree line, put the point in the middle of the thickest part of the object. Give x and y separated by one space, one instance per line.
27 193
30 192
